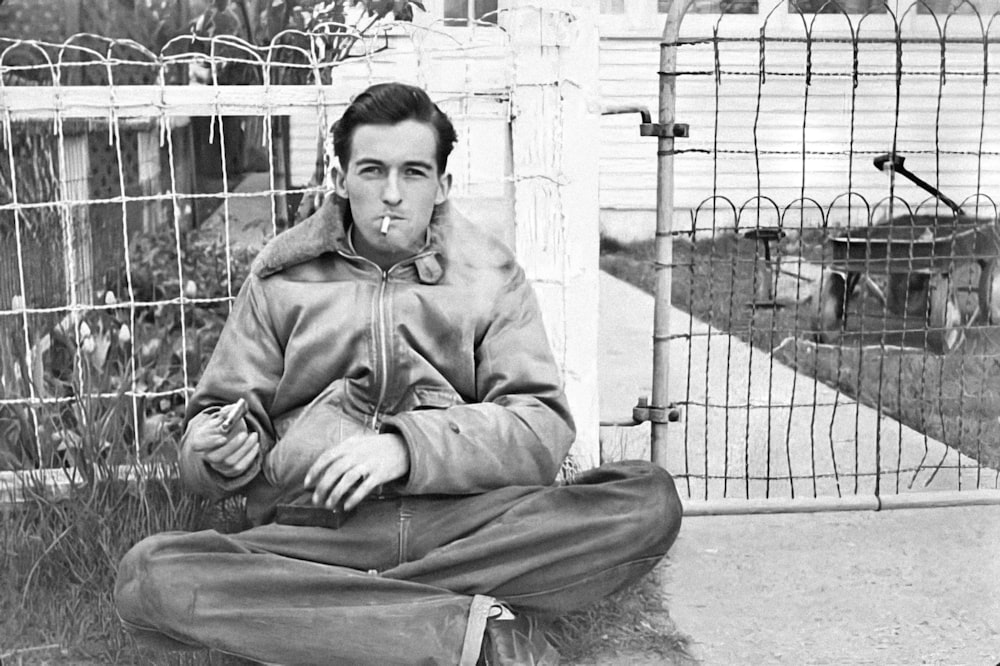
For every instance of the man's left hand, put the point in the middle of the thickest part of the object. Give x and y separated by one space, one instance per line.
361 463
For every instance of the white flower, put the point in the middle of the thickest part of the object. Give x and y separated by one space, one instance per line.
84 330
17 303
124 335
190 289
149 349
109 298
88 345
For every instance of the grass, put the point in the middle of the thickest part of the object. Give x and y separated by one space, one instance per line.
58 558
634 622
953 397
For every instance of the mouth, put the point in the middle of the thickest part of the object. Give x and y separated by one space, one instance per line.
386 221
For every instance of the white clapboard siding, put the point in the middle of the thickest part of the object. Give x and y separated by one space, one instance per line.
780 138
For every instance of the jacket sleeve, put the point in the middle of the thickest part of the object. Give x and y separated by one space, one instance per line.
246 363
519 431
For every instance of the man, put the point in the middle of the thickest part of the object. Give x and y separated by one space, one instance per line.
404 429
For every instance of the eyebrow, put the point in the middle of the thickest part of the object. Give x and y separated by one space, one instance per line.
409 163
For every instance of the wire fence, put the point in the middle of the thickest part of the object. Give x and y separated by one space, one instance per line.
835 249
124 238
836 331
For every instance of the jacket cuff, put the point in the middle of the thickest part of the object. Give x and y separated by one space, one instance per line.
201 479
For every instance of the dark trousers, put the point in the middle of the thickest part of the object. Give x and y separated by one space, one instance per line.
403 581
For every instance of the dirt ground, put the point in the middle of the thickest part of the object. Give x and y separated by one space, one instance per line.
910 586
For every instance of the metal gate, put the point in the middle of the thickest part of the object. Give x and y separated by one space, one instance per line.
826 226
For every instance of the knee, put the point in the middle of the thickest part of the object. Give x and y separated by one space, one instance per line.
656 516
665 505
144 579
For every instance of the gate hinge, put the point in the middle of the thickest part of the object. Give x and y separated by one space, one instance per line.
643 412
665 131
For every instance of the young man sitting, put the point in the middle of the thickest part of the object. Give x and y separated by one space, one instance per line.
405 424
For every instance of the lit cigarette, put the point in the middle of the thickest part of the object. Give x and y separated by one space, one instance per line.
385 225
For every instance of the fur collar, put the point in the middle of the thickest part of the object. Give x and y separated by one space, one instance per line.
324 231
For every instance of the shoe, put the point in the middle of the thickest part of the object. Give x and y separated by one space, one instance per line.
515 640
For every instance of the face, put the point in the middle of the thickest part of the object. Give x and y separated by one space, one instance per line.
392 172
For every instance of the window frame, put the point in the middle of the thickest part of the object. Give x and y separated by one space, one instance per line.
470 18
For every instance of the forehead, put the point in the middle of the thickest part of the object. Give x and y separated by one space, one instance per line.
407 141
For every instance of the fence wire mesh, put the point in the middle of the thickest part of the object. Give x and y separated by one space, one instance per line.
835 249
126 228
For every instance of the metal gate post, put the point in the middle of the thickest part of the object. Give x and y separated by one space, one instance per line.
665 131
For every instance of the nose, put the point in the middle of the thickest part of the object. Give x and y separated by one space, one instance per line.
391 194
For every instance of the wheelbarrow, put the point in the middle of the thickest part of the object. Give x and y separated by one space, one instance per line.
917 254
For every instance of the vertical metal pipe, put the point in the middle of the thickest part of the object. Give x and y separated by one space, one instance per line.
664 224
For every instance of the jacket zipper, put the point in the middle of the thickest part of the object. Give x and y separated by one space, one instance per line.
381 346
381 343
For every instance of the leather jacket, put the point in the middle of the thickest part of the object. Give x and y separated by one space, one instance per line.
446 348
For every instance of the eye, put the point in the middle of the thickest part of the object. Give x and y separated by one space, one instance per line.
416 172
370 170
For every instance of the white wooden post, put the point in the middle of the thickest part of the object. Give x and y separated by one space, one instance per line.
78 242
148 141
555 130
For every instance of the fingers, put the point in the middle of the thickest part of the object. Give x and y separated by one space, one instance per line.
205 433
367 485
320 464
227 448
243 459
335 474
237 456
353 477
350 486
350 470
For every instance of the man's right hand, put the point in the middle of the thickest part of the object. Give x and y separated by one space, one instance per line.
228 453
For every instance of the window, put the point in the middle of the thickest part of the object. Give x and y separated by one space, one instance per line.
461 12
836 6
713 6
986 8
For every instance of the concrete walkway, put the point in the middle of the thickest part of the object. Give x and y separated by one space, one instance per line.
751 426
918 586
915 586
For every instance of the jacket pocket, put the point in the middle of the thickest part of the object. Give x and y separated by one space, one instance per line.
429 397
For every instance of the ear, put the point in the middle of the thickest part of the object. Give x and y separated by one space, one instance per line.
339 182
444 188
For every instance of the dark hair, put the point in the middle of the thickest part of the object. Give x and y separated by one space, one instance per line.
389 104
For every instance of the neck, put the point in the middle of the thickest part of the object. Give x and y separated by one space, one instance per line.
384 260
